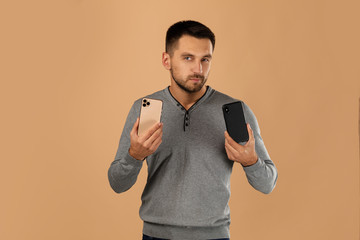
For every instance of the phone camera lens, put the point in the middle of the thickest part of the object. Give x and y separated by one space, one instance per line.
144 100
144 105
148 103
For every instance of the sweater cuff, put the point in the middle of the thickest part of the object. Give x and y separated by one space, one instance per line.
133 161
255 166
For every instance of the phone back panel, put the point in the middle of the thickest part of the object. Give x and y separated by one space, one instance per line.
235 122
150 114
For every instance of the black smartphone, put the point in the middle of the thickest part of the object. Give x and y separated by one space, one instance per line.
235 121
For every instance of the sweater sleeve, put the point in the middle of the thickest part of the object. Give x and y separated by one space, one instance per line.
263 174
124 170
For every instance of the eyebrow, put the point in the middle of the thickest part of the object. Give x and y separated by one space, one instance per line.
192 55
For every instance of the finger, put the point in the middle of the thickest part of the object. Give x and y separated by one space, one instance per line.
250 131
231 141
227 136
251 136
157 134
229 153
229 147
151 131
156 144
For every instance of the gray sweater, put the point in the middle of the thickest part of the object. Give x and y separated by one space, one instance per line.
188 185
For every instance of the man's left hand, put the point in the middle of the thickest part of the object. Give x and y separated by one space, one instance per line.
243 154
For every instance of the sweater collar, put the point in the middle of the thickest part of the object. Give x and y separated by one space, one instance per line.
203 98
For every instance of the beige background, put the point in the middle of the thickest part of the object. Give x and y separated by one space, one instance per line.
70 70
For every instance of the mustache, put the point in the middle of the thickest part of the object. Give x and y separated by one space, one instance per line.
196 76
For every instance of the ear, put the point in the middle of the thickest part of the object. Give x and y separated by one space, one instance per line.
166 61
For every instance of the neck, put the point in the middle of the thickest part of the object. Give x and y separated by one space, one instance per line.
186 99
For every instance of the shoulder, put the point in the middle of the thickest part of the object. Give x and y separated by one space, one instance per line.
135 108
160 95
223 98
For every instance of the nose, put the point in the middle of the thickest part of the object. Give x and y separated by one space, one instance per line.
197 68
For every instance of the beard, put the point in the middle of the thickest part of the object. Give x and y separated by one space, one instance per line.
189 89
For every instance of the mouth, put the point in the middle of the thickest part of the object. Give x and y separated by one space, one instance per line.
196 78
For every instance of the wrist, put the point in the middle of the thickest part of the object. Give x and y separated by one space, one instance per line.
134 155
250 163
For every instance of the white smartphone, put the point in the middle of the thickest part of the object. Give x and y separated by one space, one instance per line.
150 114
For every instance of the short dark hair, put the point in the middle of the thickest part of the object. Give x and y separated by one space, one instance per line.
189 27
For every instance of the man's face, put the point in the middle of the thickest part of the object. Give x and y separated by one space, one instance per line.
190 62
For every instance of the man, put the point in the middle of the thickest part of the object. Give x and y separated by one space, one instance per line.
189 154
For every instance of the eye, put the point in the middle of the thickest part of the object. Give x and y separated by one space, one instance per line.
206 60
187 58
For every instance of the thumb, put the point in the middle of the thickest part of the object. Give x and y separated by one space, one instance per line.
250 131
134 130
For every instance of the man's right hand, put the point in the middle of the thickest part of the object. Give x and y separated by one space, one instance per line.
145 145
